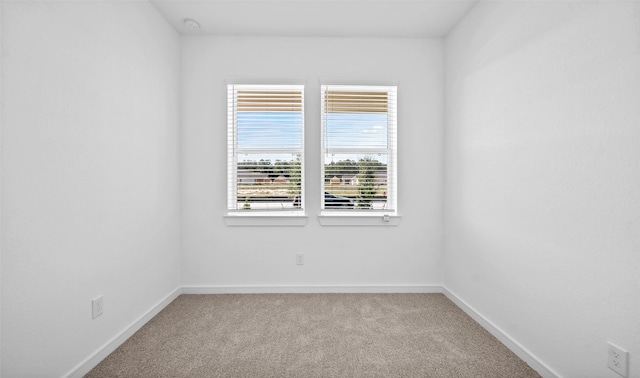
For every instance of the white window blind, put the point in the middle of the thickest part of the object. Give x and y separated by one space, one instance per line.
265 147
359 148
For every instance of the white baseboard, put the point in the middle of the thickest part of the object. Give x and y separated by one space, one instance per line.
93 360
90 362
504 338
308 289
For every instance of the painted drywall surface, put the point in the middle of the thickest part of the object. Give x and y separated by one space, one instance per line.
1 122
542 178
90 187
215 254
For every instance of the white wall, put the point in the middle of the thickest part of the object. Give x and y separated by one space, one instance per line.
1 123
542 181
90 183
214 254
1 128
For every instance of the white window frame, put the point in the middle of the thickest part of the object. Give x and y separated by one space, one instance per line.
368 217
263 217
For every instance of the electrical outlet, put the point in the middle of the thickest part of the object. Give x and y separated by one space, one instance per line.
617 360
299 258
97 307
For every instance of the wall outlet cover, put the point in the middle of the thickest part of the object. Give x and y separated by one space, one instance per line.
96 307
617 359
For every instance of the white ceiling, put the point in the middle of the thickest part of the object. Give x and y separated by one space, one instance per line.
313 18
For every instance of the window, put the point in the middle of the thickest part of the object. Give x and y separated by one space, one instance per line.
265 148
359 149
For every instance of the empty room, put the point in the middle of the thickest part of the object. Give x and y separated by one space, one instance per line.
354 188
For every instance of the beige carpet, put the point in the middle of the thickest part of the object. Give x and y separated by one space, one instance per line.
312 335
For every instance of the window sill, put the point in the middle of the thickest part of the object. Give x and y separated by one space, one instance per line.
335 219
265 219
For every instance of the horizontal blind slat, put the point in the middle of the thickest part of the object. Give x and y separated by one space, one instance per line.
257 100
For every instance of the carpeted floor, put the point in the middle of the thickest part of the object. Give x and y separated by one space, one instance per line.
312 335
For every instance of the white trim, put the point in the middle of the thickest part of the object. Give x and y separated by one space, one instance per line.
502 336
308 289
94 359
